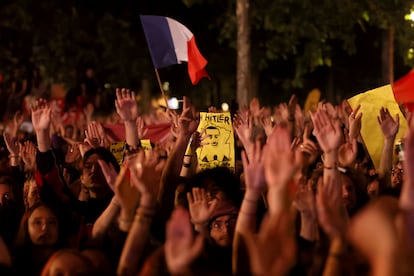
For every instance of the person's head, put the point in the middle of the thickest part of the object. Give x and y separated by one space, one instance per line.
92 173
349 198
219 182
90 73
353 193
373 187
222 223
397 175
213 134
39 227
69 130
6 189
352 185
68 262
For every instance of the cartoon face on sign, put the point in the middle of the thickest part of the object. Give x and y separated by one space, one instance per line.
213 134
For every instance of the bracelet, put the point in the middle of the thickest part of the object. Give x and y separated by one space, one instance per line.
13 156
124 225
186 165
334 166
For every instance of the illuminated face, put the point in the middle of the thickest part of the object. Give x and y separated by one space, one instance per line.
43 227
348 193
397 176
93 178
222 230
213 136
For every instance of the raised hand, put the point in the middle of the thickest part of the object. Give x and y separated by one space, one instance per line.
373 233
95 135
304 200
41 115
243 125
388 125
127 195
254 169
347 153
17 121
308 151
273 250
279 162
126 105
146 173
331 110
28 154
332 215
199 206
188 120
280 167
267 124
354 121
181 247
11 144
109 173
327 131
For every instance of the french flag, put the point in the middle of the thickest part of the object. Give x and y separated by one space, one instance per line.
170 42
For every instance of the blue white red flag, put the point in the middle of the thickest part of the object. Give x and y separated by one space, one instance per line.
170 42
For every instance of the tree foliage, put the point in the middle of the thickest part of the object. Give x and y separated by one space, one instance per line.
309 32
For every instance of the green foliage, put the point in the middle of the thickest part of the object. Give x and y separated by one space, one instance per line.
309 32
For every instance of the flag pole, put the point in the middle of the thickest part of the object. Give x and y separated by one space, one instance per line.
162 90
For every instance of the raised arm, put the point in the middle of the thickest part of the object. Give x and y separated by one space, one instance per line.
41 118
181 247
187 125
145 177
329 135
247 219
104 221
389 128
127 109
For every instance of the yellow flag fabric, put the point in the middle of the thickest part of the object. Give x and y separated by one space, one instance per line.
220 149
146 145
371 102
312 100
118 149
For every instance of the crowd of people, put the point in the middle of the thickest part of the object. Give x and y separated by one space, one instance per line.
303 199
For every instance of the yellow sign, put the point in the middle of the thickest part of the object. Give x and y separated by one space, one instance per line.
146 145
312 100
219 148
118 150
371 103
